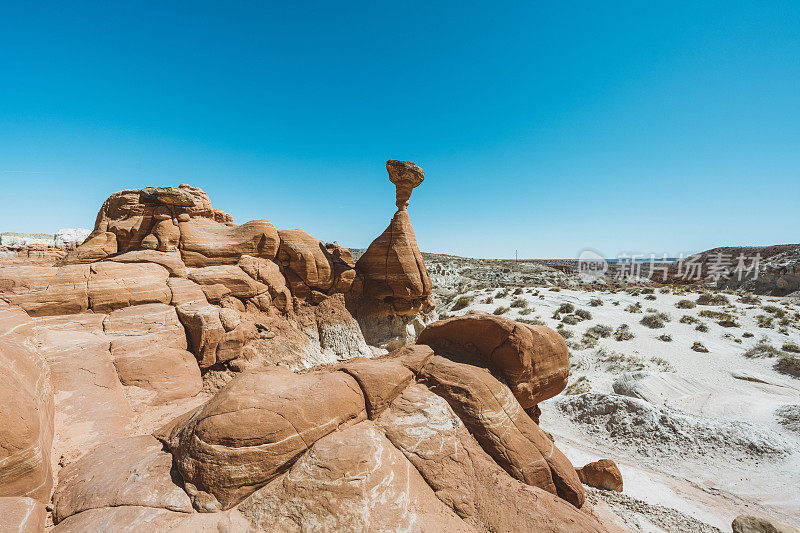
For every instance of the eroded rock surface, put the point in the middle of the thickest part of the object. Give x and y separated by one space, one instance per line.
179 372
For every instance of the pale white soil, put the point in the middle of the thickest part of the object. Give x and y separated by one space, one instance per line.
711 435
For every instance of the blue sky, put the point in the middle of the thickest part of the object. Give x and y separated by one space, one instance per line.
546 127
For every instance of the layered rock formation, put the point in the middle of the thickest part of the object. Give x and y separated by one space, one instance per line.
177 371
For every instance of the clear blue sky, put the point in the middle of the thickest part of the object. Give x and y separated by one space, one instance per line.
545 127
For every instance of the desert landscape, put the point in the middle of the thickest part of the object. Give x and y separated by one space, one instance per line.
175 371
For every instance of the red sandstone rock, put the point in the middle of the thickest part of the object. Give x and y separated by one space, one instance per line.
392 266
496 419
351 480
602 474
22 515
257 426
26 412
533 359
131 471
380 381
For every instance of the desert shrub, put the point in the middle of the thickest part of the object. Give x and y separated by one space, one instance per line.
536 321
655 320
749 299
728 322
519 302
662 364
501 293
579 386
764 321
762 349
595 302
775 310
583 314
717 315
699 347
623 333
566 308
651 310
792 347
665 338
650 297
747 334
702 327
664 290
685 304
570 319
526 311
615 303
517 291
564 332
588 341
555 289
487 300
708 298
500 310
600 331
461 303
788 363
689 319
634 308
616 362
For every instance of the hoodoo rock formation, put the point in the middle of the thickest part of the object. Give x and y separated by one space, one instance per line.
177 371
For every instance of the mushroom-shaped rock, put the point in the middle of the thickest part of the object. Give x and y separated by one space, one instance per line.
392 266
533 359
255 428
405 175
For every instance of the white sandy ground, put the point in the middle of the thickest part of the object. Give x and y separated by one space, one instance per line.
718 449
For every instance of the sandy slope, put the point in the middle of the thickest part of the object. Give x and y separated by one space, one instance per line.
705 439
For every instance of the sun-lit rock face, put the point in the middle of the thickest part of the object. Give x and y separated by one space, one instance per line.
178 371
392 267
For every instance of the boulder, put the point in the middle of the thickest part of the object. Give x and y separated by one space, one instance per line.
255 428
130 471
504 430
534 360
602 474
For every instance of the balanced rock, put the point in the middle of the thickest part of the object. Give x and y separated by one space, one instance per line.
392 266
